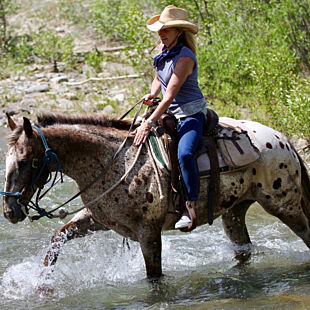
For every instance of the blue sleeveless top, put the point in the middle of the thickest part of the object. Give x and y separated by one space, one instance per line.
189 99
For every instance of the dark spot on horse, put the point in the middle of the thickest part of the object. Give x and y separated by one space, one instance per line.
288 147
129 195
116 199
144 209
291 208
281 145
235 192
285 166
241 181
281 166
284 194
267 197
269 145
254 131
277 183
137 180
227 204
259 185
277 137
295 190
254 171
144 177
297 172
233 184
149 197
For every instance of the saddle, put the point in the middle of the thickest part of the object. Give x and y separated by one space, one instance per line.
223 147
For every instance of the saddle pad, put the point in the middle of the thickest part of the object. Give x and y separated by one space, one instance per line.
158 150
236 146
254 130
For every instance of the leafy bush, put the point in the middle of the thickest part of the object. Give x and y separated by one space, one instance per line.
52 48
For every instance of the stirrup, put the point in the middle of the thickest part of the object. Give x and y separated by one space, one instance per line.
193 223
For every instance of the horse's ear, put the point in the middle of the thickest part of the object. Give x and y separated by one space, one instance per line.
11 123
27 127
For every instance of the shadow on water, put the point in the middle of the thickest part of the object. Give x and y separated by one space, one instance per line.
97 272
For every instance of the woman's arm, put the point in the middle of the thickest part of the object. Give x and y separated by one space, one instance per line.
155 90
183 68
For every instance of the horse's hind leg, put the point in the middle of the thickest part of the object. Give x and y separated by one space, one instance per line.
294 217
235 228
79 226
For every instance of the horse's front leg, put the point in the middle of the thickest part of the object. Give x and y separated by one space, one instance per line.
79 226
150 243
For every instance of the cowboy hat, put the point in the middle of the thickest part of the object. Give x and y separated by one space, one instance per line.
171 16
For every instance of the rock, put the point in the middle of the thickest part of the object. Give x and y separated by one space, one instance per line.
9 111
71 96
88 71
39 76
59 79
25 109
119 97
108 110
40 88
65 104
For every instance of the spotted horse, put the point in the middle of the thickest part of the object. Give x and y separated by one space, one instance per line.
138 208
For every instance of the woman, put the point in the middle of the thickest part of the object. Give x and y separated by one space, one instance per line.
176 77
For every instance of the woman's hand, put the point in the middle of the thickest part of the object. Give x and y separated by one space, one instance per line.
141 133
147 99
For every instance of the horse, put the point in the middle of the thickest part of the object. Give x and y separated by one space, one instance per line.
141 206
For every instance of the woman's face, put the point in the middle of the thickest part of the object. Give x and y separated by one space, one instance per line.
169 36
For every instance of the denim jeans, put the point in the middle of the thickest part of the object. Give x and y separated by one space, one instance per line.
190 131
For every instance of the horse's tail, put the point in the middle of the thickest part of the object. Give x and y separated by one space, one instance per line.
305 187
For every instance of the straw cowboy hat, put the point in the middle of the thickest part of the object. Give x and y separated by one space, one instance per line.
171 16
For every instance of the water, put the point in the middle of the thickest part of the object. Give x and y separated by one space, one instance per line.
98 272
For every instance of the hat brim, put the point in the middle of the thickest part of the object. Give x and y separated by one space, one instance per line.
154 24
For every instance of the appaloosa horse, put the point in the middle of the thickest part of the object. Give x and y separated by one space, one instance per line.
278 181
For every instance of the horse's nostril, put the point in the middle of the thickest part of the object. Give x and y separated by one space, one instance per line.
9 214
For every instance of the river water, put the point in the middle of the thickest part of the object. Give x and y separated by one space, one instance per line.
98 272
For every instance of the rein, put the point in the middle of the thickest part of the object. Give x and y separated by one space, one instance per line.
49 156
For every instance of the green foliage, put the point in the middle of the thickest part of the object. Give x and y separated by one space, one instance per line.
52 48
6 7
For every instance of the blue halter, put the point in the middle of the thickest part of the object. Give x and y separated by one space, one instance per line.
47 160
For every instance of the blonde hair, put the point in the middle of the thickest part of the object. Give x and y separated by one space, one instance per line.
190 40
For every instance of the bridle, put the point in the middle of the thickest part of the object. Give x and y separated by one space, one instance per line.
48 159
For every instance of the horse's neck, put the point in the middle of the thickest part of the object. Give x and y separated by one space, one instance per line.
83 153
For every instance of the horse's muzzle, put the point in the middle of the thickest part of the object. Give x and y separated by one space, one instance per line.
12 210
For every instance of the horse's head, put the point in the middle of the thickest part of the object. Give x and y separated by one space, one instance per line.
22 165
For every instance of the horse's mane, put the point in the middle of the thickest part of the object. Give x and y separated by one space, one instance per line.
49 119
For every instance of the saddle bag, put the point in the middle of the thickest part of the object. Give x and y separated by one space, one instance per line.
236 147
